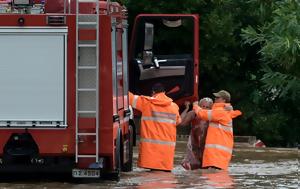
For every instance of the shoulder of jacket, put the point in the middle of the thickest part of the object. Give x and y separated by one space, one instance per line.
174 105
145 97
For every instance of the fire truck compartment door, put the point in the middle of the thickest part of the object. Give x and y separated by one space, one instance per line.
32 74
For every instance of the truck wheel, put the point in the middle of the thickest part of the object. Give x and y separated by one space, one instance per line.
134 131
128 165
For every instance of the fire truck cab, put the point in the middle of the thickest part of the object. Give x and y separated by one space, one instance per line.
64 77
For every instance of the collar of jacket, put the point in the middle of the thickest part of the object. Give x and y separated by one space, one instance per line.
228 108
161 99
221 105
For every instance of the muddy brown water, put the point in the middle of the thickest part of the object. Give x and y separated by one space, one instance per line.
249 168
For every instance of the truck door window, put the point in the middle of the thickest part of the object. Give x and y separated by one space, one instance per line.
162 52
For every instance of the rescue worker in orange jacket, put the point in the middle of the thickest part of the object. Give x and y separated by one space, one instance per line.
219 139
160 116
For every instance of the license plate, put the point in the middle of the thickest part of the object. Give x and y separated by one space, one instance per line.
85 173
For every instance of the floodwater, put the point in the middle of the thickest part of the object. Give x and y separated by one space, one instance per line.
250 168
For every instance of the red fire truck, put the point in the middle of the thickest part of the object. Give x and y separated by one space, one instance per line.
64 80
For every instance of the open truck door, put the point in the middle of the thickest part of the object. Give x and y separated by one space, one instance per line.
160 53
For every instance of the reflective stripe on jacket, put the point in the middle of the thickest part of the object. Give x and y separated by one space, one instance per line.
219 139
158 130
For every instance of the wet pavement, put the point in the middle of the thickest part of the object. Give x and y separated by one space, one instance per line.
250 168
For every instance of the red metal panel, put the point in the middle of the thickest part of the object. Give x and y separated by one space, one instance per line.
71 77
30 20
87 34
105 78
5 134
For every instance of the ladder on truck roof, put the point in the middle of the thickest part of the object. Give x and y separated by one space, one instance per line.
87 77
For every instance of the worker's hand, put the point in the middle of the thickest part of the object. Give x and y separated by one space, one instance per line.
187 104
195 103
196 107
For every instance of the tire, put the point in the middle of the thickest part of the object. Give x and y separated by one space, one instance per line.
128 165
134 131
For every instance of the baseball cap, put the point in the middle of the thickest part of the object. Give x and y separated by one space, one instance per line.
223 94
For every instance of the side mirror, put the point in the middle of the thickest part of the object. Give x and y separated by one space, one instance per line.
148 44
149 34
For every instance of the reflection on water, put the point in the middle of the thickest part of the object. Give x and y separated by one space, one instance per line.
220 179
154 179
178 178
250 168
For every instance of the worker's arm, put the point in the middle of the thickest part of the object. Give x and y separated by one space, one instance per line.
187 118
176 108
235 113
203 114
136 101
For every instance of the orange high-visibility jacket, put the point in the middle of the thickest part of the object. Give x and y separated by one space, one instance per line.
219 139
160 115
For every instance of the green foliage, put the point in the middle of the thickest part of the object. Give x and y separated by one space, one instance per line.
251 48
279 40
279 48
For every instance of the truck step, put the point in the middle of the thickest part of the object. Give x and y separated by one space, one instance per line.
87 23
87 89
87 67
86 112
87 1
87 45
87 134
87 156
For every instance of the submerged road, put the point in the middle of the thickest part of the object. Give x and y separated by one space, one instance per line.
250 168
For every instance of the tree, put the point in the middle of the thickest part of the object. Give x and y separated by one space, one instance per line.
278 42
